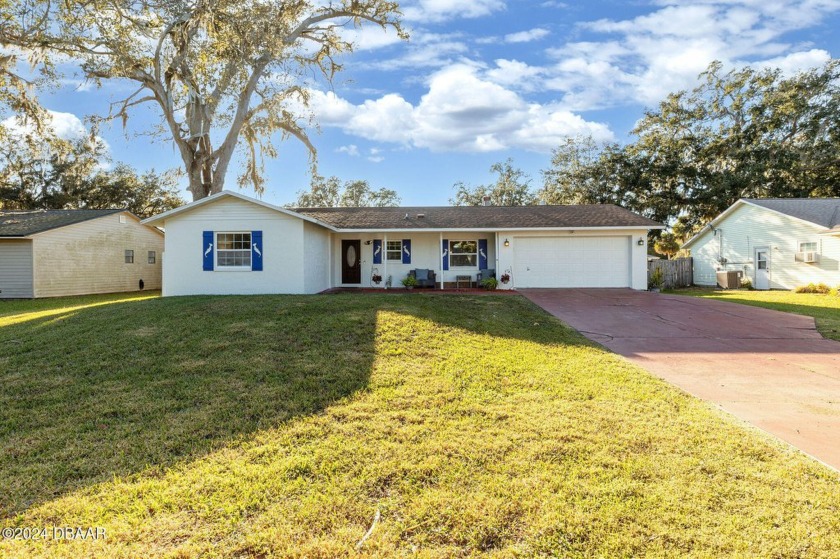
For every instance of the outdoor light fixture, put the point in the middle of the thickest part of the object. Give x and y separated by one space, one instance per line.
641 242
507 243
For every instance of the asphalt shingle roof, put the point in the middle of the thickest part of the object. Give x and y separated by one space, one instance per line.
21 224
478 217
821 211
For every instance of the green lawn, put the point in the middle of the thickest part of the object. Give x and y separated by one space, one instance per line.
279 426
824 308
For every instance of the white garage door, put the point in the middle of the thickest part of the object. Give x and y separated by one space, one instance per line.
572 262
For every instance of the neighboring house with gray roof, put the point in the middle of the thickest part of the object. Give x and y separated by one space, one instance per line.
777 243
51 253
233 244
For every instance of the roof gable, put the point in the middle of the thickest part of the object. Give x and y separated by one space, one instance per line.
160 219
25 223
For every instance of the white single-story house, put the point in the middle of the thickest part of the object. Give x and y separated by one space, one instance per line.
52 253
233 244
776 243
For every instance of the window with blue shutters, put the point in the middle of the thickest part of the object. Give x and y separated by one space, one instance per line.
233 251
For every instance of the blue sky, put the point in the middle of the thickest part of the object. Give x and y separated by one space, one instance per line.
485 80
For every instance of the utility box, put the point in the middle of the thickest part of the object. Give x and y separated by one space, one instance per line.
729 280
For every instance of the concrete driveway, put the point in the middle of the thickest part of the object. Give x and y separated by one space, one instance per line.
769 368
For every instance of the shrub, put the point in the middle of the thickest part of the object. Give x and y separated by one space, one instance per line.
746 283
409 281
814 288
656 279
490 284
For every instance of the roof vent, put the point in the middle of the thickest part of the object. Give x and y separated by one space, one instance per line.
421 216
406 216
486 200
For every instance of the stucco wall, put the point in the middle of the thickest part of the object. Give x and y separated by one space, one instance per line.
15 268
283 250
749 227
89 257
316 247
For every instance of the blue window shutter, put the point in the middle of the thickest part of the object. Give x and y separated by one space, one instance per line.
445 249
377 251
207 249
256 251
482 254
406 251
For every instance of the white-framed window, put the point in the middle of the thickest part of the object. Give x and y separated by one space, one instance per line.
463 254
809 246
129 256
233 250
393 251
152 257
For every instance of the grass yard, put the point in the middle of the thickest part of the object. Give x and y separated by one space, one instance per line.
279 427
824 308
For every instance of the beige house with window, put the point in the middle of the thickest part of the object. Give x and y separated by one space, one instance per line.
52 253
775 243
233 244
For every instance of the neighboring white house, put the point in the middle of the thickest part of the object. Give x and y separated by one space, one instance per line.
776 243
51 253
232 244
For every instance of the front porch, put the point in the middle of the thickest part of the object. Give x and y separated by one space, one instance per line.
378 261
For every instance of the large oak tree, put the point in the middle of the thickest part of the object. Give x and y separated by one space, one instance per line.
218 71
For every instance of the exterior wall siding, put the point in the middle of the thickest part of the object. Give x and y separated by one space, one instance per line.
748 228
638 254
283 251
89 257
16 269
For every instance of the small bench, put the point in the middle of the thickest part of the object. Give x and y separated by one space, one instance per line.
459 279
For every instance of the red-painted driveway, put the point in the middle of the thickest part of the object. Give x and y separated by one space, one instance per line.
769 368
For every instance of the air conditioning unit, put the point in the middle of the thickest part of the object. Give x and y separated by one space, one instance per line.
729 280
807 257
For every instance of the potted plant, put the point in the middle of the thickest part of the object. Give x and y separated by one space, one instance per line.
410 282
656 280
376 278
505 278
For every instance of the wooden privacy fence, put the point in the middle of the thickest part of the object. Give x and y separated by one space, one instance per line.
677 273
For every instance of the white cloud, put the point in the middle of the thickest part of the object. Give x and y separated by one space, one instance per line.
527 36
370 37
66 126
641 60
515 74
352 150
461 111
375 156
442 10
797 61
425 50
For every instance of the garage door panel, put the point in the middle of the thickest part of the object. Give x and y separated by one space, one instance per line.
572 261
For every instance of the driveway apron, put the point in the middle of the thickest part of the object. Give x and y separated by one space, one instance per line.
769 368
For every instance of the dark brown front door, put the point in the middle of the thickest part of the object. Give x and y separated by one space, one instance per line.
351 262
